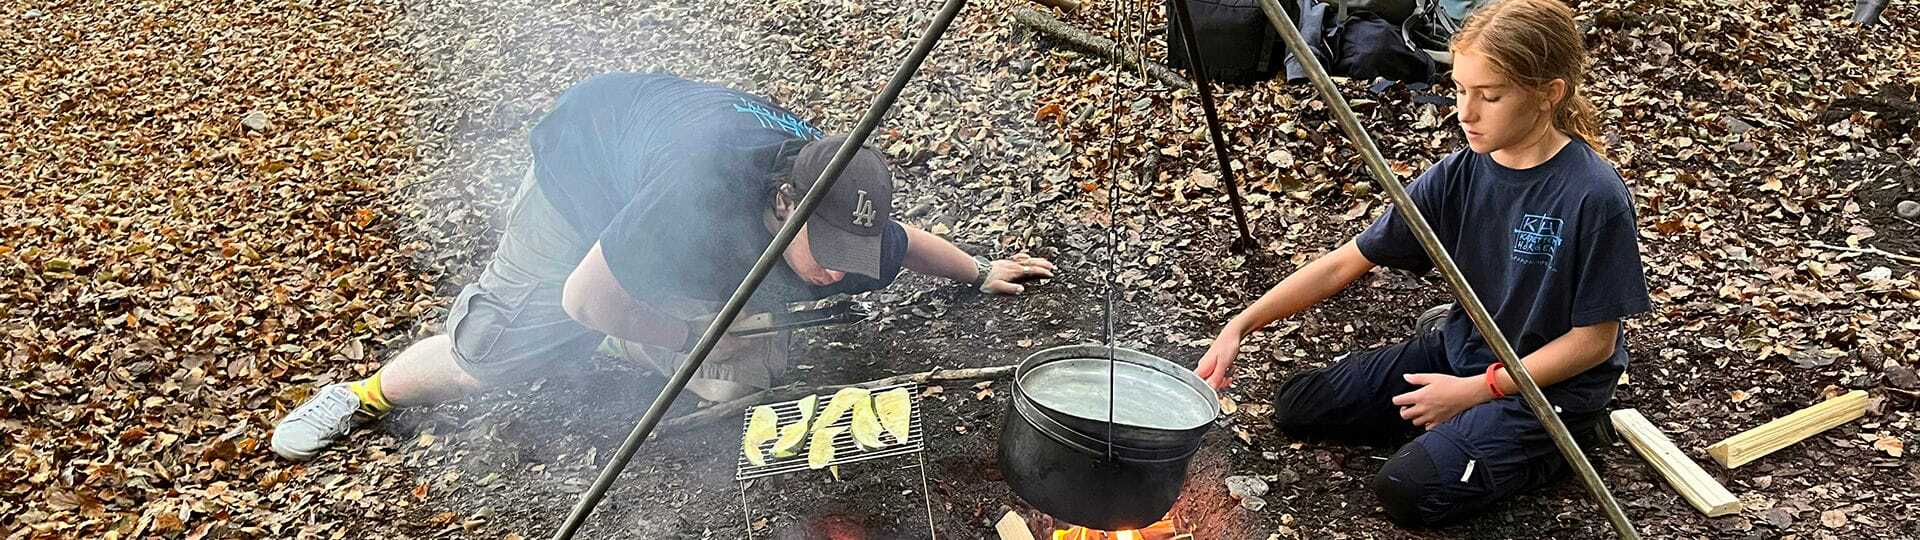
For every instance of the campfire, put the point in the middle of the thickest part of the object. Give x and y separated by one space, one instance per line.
1014 527
1165 529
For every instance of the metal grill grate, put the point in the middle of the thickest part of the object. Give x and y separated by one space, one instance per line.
844 449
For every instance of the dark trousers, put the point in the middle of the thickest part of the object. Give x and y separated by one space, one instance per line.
1469 462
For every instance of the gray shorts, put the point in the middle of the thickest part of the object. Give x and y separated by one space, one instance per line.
508 326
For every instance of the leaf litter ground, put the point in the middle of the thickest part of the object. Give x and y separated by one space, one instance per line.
218 208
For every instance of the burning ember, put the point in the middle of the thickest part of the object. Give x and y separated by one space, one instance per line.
1163 530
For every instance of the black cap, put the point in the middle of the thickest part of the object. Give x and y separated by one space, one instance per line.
846 229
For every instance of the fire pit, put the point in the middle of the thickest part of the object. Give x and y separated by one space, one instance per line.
1015 527
1165 529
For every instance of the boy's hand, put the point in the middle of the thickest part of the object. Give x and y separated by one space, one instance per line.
1217 366
1007 274
1441 398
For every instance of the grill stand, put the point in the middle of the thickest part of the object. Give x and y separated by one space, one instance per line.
845 451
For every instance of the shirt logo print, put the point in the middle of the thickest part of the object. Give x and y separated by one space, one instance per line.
863 211
777 120
1537 239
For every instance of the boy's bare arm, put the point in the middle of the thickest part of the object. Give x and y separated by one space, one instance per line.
594 298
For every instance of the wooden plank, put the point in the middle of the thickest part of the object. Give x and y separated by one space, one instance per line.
1686 477
1783 432
1013 527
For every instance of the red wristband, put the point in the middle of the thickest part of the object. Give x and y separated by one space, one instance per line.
1493 383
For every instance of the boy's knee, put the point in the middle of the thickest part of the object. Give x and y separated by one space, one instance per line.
1403 485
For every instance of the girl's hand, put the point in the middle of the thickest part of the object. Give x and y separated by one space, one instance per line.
1217 366
1440 398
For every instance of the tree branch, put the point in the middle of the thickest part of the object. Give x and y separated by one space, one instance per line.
1064 5
1870 250
1103 47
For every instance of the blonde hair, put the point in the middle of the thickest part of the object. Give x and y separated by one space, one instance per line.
1531 43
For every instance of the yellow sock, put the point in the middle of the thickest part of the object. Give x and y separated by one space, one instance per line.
370 397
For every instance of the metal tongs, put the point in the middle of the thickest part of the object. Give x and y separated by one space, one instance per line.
845 311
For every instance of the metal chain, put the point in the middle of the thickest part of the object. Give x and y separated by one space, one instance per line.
1113 219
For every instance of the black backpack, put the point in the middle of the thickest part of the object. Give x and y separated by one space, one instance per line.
1369 46
1237 44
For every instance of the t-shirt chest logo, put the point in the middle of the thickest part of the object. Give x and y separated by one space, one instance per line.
1536 239
863 211
773 119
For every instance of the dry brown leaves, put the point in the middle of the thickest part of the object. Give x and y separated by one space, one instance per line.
194 226
200 221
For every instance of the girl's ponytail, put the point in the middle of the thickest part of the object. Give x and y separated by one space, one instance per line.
1577 116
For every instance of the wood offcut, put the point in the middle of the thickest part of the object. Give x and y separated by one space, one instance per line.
1757 442
1013 527
1686 477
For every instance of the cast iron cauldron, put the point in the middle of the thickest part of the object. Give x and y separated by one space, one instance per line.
1054 442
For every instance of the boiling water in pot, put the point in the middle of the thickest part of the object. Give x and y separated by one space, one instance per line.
1146 398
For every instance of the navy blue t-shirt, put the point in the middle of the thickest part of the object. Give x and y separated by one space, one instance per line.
673 178
1546 249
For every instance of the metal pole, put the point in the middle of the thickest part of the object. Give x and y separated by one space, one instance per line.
1462 291
718 327
1245 242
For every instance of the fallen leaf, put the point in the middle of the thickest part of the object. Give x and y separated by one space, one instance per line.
1780 517
1203 179
1358 210
1051 111
1833 519
1280 158
1893 446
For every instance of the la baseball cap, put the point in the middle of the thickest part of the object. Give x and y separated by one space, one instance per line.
847 229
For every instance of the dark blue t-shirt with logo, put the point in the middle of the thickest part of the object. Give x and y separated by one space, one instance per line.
673 177
1546 249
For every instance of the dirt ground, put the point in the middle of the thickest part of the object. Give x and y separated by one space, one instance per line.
140 387
1178 285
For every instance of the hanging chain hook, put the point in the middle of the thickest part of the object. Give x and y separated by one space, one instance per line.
1113 219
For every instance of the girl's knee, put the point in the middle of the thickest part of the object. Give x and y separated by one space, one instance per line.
1403 486
1293 405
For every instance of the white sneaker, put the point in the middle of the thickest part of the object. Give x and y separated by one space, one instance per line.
313 426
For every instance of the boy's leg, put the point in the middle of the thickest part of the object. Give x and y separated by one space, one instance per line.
506 326
509 326
1488 453
423 374
1353 398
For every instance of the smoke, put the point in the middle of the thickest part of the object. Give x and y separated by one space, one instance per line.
489 71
